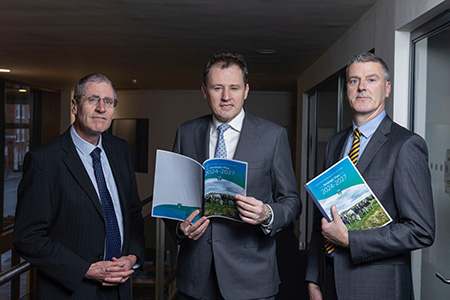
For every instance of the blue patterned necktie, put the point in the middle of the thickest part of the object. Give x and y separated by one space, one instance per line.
353 154
221 149
113 243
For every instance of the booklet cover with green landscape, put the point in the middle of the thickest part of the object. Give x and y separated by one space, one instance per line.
183 185
342 185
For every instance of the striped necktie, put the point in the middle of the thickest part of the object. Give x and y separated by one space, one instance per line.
354 151
354 155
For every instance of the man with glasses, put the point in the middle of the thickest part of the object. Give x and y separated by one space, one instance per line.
78 217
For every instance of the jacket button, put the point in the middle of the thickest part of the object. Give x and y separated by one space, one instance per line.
100 256
209 241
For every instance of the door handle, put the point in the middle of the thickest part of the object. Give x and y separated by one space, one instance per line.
444 280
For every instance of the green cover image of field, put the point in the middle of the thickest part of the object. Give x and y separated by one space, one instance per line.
223 180
343 186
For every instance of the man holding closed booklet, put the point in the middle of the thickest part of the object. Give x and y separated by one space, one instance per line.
220 258
374 263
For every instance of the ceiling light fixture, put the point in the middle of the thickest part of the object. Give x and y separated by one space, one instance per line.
266 51
5 70
23 90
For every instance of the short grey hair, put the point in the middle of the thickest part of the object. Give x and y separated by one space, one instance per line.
369 57
93 77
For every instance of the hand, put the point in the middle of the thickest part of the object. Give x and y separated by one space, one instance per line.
314 291
121 270
195 230
335 231
111 273
251 210
97 271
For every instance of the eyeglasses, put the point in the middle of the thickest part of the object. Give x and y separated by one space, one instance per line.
109 102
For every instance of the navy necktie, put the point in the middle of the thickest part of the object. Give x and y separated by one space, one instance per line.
113 242
221 149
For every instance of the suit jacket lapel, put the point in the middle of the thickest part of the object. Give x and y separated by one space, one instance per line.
118 169
248 138
333 156
201 137
376 142
341 145
76 168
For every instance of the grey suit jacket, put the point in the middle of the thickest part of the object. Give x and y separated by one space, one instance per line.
377 265
59 226
244 257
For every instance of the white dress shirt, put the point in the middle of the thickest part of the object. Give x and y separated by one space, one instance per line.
231 137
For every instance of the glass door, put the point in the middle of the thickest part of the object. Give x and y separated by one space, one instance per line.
328 113
431 119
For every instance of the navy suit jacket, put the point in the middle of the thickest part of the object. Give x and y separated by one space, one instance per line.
59 226
378 264
244 257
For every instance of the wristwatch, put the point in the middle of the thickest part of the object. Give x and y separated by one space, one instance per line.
269 217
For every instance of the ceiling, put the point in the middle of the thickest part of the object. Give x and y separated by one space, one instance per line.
164 44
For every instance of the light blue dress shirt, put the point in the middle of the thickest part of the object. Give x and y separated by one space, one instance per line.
84 150
367 131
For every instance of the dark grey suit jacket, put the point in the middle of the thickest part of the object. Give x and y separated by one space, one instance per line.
378 265
244 257
59 226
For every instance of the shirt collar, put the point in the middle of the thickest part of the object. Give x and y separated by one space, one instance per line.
369 128
82 146
236 123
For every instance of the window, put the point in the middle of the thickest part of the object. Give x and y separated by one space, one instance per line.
17 114
17 111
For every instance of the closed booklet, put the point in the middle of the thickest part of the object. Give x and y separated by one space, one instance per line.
183 185
342 185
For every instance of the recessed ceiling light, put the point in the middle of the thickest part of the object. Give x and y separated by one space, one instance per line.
5 70
266 51
23 90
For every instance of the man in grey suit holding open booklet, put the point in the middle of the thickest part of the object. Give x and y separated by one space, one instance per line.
220 258
374 264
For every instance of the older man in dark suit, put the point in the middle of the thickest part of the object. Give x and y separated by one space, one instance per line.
219 258
78 217
375 263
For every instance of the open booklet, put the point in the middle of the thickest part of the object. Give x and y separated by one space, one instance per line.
343 185
183 185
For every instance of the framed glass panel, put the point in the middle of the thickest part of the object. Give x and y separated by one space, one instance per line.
17 116
431 107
